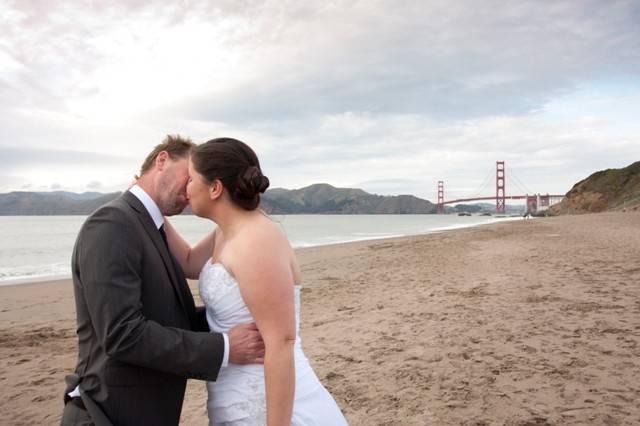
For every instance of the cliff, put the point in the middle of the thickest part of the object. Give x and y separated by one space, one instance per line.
611 189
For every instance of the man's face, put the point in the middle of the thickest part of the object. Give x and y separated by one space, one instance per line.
172 186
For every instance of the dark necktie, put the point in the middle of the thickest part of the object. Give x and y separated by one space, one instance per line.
186 294
163 234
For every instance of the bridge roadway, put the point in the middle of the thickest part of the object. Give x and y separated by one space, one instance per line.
507 197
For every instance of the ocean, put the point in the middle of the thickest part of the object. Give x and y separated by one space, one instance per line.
37 248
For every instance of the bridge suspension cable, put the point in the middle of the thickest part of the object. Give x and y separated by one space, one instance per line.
518 186
519 183
484 185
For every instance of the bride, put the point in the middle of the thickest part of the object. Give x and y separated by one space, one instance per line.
248 273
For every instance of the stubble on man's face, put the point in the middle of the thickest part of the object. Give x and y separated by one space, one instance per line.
172 187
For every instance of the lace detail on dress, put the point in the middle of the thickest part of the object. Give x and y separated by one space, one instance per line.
247 408
214 283
254 408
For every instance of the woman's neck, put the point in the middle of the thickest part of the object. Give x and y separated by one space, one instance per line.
230 219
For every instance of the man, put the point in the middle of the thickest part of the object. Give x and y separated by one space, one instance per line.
140 336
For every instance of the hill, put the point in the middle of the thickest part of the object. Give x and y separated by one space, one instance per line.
57 203
314 199
326 199
611 189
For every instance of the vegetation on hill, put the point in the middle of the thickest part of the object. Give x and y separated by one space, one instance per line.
326 199
611 189
314 199
51 203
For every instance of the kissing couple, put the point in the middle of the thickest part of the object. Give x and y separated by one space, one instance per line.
140 335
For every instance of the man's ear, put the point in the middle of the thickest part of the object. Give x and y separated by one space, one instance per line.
161 159
215 189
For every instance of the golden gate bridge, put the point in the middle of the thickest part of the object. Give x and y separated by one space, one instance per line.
533 202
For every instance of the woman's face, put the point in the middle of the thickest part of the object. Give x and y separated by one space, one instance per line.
197 191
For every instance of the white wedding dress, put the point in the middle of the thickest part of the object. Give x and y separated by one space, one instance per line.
237 397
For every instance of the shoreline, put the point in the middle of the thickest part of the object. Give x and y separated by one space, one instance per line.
35 279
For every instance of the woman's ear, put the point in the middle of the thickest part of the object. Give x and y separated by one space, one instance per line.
215 189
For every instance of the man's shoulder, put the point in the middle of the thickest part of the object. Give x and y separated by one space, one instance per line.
116 210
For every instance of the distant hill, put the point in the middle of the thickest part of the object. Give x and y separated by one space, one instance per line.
611 189
51 203
326 199
74 195
314 199
488 208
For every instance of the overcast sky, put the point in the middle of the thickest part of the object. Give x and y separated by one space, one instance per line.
388 96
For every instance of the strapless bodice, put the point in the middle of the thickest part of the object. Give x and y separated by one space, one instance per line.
221 295
237 397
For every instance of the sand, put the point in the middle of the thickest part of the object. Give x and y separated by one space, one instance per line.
533 322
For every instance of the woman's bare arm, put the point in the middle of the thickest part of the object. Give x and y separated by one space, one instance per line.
191 259
267 286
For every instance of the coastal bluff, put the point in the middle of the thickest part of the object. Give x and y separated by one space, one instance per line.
606 190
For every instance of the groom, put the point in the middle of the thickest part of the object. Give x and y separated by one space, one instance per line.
140 336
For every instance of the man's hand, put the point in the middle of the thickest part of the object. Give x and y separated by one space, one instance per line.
245 345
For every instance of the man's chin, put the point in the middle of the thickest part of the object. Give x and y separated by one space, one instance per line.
175 210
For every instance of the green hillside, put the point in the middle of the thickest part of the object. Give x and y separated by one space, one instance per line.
611 189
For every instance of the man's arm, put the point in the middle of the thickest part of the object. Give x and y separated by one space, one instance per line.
201 323
109 263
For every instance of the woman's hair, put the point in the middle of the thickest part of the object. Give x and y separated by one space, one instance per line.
236 166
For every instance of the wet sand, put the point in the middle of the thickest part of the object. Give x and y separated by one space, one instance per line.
533 322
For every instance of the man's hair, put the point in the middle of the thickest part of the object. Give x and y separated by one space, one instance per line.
175 145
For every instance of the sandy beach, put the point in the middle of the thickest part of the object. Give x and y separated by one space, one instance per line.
532 322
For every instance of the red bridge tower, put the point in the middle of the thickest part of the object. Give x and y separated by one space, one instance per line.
500 194
440 207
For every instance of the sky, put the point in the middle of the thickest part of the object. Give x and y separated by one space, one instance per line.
387 96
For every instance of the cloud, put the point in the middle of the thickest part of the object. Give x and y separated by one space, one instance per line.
392 96
436 59
392 186
16 158
11 182
409 154
285 59
95 185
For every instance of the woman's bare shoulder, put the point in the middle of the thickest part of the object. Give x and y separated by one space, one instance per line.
259 241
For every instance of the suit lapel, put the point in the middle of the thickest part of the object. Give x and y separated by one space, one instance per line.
156 238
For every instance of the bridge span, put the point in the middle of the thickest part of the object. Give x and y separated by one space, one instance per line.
506 197
533 202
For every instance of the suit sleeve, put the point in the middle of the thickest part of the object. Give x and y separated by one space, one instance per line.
201 323
109 263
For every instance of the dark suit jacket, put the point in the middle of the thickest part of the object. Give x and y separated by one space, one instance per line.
140 335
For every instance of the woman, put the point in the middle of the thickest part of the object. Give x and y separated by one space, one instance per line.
248 272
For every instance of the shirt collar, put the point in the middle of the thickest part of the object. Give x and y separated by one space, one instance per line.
149 204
